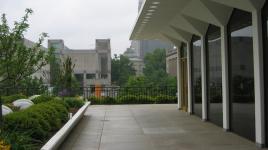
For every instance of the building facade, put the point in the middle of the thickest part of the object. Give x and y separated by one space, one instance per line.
137 63
222 59
92 66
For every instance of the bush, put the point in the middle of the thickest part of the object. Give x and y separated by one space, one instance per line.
12 98
165 99
133 99
74 102
102 100
39 121
42 99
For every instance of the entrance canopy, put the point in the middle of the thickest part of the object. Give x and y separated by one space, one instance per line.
177 20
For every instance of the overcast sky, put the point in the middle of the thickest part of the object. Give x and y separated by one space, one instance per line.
77 22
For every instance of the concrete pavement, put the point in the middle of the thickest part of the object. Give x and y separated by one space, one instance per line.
149 127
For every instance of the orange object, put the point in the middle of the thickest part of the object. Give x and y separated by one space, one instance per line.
98 90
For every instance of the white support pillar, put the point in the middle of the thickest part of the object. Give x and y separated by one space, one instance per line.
225 79
204 78
189 72
258 77
178 79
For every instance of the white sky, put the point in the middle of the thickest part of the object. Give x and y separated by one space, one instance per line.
77 22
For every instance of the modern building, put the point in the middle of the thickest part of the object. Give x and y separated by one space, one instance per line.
137 62
222 59
92 66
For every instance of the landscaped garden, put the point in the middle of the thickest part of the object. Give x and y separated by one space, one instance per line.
31 127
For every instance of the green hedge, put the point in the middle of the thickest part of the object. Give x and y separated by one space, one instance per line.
38 122
74 102
42 99
12 98
133 99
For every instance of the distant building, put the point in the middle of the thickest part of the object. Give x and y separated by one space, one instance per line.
44 72
138 63
92 66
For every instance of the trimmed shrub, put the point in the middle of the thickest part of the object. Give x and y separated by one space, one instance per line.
74 102
143 99
39 122
165 99
128 99
12 98
42 99
102 100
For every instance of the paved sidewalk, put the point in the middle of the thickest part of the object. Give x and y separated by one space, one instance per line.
149 127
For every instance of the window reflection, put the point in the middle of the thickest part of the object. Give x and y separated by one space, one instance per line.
196 75
214 75
241 74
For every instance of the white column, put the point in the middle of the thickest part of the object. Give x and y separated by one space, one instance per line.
189 72
258 77
204 78
225 79
178 78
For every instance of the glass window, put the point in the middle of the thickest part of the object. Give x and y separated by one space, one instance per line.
196 75
265 29
91 76
214 75
241 74
79 77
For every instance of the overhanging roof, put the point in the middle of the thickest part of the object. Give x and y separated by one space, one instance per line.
177 20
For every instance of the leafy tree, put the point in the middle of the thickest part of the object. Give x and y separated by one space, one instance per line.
122 69
140 81
155 69
18 62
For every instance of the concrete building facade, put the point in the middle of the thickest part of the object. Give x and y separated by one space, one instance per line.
92 66
222 59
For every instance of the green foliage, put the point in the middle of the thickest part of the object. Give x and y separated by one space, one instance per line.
133 99
74 102
154 72
39 122
43 98
102 100
12 98
31 86
122 69
17 61
164 99
65 84
18 140
140 81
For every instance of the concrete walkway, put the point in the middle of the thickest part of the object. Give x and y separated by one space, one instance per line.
149 127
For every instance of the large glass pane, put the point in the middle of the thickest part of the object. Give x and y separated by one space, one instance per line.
214 75
241 74
265 29
196 76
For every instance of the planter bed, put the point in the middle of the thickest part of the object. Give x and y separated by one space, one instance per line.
60 136
31 128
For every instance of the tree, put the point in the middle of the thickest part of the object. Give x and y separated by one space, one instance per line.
155 69
122 69
67 83
18 62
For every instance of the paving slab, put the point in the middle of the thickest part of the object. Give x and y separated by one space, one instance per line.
149 127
